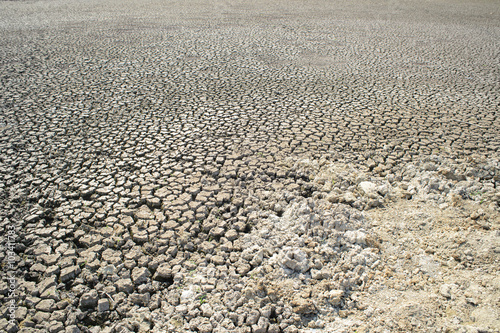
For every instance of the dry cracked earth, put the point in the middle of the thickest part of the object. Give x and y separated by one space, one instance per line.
226 166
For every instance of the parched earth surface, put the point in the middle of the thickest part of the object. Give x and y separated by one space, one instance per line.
226 166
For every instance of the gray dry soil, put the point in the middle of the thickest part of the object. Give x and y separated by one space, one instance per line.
250 166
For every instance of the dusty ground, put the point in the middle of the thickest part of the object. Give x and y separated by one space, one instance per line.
443 268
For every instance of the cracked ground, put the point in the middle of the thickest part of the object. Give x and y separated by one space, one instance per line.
163 165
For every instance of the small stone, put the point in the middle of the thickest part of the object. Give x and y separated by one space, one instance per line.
59 316
296 260
223 197
218 260
206 247
72 329
349 197
46 305
55 327
471 300
266 312
227 247
21 313
89 300
273 328
109 270
242 267
207 310
124 285
47 283
69 273
252 317
217 232
163 273
182 309
140 275
261 326
31 301
140 236
51 293
103 305
231 235
41 317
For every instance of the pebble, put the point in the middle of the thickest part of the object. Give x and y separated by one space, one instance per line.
103 305
89 300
